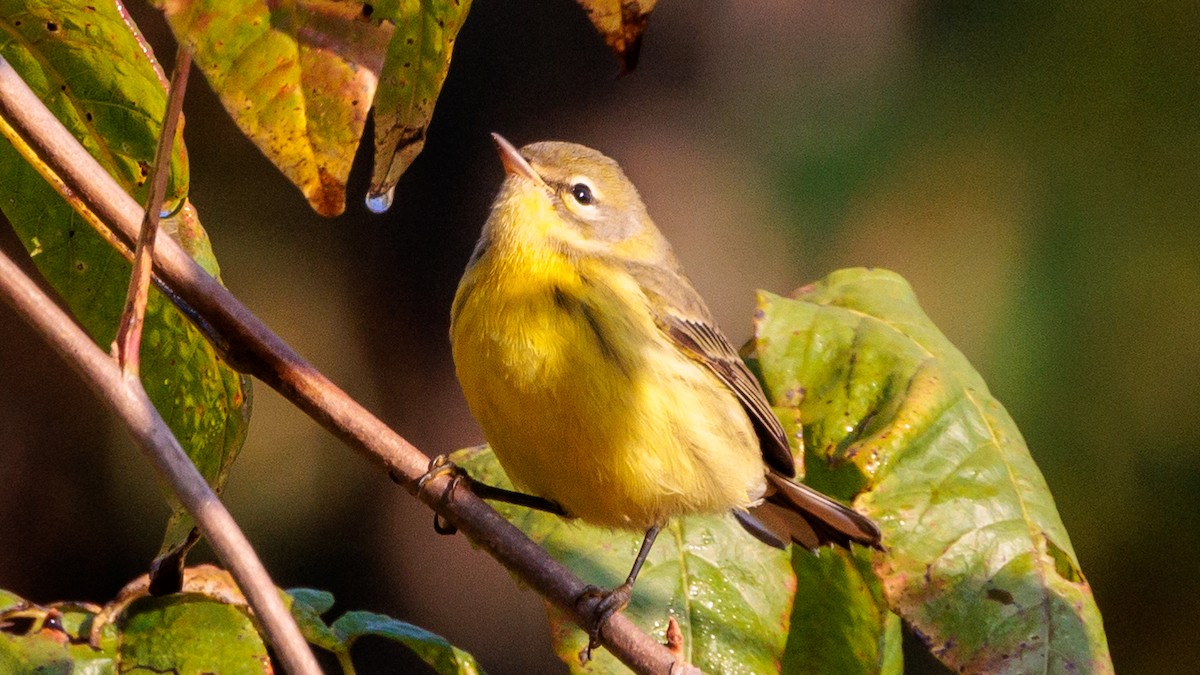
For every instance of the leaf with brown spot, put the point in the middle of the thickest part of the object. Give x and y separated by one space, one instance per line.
95 55
621 23
978 561
298 78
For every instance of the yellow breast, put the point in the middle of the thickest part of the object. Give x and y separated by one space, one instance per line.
586 402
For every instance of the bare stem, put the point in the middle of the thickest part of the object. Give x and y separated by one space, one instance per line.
128 400
251 347
128 342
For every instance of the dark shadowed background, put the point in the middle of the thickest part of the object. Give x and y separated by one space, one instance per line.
1031 167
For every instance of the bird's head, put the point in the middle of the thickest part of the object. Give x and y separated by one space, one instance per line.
575 197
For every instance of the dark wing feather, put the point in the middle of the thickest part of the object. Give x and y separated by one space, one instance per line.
705 343
791 511
682 315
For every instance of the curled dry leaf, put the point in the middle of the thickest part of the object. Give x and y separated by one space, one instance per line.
622 23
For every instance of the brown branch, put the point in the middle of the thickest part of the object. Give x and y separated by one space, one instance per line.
127 345
251 347
125 395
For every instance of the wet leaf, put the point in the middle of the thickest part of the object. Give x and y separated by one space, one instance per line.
621 23
297 77
978 561
730 593
113 102
418 59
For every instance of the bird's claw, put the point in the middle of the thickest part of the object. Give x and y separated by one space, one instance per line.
606 604
439 466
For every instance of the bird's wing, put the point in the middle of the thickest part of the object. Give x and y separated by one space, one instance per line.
683 317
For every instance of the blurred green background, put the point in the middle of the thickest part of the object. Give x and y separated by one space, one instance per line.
1031 167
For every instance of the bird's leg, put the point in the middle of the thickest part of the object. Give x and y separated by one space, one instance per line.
442 465
615 600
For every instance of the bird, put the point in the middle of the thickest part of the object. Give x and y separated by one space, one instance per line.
600 379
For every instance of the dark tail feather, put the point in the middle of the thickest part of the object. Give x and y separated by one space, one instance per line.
797 513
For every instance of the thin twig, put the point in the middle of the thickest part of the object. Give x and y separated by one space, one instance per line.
251 347
129 400
128 342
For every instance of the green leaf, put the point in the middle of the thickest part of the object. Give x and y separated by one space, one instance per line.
298 78
307 606
318 601
205 629
978 561
113 102
190 633
433 649
8 600
36 653
730 593
418 59
840 620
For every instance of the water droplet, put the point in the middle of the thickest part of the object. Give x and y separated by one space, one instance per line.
380 202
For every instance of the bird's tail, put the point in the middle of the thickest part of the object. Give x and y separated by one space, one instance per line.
793 512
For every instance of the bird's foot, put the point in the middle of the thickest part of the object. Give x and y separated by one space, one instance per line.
442 466
606 603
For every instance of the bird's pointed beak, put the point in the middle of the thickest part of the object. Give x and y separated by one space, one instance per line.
514 163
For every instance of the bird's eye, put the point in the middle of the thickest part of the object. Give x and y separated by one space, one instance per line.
582 193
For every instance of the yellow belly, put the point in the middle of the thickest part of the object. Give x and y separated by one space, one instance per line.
585 402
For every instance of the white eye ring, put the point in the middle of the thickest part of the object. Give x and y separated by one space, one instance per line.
582 192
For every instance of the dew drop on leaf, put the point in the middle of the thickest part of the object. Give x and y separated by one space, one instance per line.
380 202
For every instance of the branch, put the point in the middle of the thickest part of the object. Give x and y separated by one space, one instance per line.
127 345
125 395
251 347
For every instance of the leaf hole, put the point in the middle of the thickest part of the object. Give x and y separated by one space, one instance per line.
18 625
1000 595
51 26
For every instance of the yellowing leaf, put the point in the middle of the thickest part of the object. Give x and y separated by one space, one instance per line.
418 59
622 23
297 77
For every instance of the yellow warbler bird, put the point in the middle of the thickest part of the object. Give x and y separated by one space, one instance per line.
600 379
